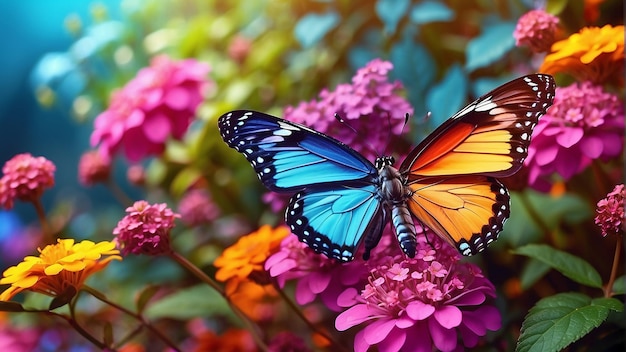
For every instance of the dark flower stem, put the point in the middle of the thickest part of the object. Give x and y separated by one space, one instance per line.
608 289
296 309
250 325
74 323
119 194
138 317
48 237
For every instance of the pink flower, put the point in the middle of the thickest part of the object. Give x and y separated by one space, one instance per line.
421 304
536 29
584 123
146 229
93 168
25 178
317 276
197 208
159 103
610 211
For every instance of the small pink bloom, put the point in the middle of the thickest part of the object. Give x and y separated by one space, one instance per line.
146 229
584 123
25 178
93 168
536 29
158 104
197 208
610 212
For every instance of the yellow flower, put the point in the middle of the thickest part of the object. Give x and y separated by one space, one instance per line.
247 256
58 267
594 54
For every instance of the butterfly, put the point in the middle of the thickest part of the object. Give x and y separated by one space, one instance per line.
448 182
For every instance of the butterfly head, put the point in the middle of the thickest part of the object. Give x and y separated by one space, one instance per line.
383 161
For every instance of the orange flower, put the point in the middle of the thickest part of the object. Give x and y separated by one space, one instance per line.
232 340
257 302
245 258
58 267
593 54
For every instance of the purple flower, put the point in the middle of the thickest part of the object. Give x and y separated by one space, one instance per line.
584 123
610 212
368 103
371 104
429 302
156 105
146 229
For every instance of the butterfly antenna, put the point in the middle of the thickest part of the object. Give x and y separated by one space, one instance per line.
358 135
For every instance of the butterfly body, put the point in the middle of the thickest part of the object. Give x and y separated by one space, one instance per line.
448 183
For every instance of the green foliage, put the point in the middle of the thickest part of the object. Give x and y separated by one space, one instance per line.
196 301
557 321
569 265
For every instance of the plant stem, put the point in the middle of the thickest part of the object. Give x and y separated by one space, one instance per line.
250 325
119 194
139 318
74 323
48 237
608 289
311 326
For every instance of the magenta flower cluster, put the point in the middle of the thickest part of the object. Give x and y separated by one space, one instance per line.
145 229
159 103
25 178
369 102
610 212
196 208
536 30
585 123
431 301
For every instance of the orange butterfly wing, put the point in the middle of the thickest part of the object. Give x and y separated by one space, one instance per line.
452 173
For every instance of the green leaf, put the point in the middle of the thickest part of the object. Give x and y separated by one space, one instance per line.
145 296
448 96
619 286
391 12
569 265
196 301
533 271
8 306
311 28
490 46
557 321
431 11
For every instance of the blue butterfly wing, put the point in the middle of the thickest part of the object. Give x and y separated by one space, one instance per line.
334 219
289 157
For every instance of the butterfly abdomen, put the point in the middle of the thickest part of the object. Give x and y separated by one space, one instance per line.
405 228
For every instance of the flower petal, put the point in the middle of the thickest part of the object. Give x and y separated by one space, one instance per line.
378 330
448 316
570 137
393 342
419 310
355 316
444 339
